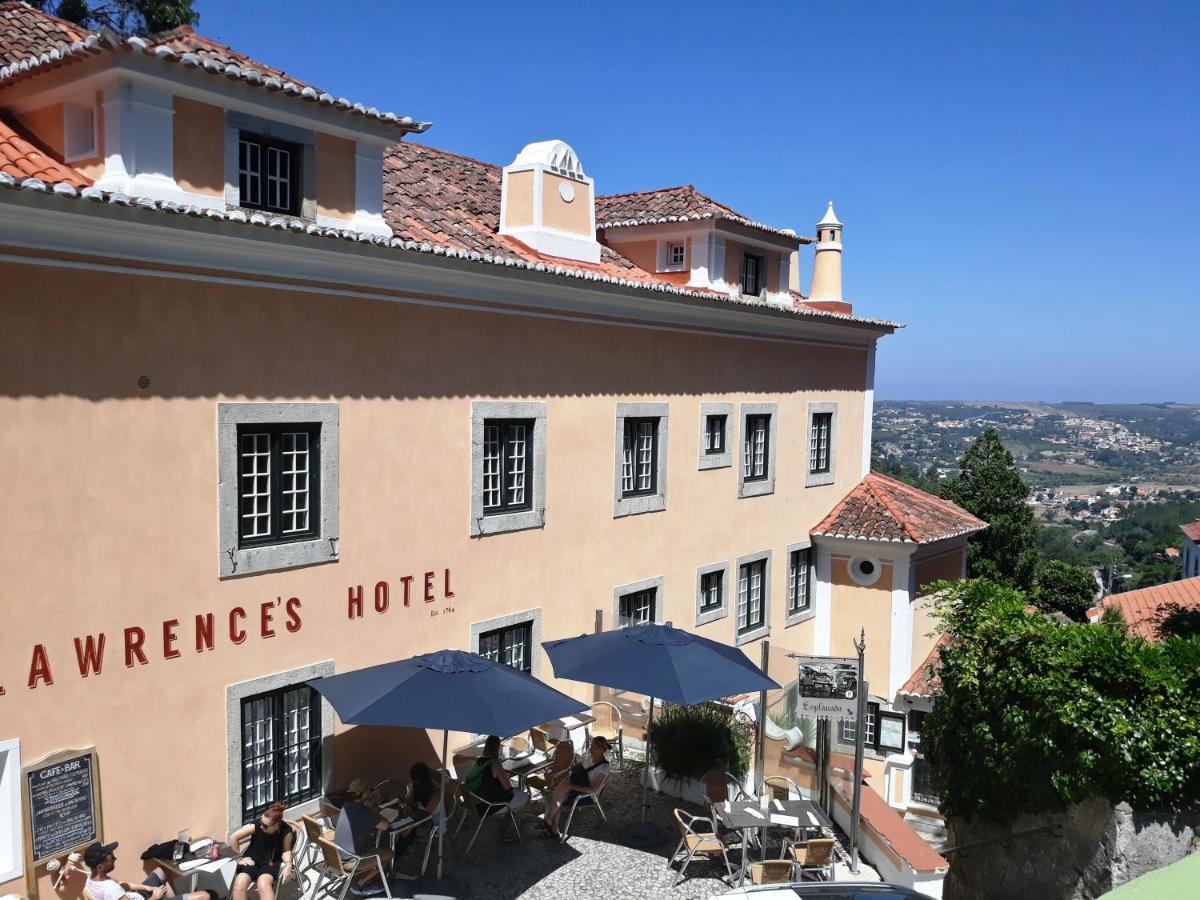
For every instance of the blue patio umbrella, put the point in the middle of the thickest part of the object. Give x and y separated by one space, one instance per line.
659 661
450 690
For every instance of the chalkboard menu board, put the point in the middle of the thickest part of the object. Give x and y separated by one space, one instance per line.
61 799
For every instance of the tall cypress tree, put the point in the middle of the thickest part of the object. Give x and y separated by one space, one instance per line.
990 487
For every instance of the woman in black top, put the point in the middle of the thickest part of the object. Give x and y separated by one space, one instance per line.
266 858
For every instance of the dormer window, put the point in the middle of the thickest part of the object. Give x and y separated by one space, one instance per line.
752 268
268 174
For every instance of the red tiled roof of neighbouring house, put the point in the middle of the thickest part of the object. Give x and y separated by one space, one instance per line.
674 204
1141 608
26 32
22 157
1191 531
924 681
884 509
185 40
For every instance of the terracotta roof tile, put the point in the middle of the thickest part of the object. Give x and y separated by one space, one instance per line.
184 40
26 32
673 204
924 681
22 157
1191 531
1140 608
884 509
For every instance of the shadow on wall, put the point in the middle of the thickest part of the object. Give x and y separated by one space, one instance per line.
92 335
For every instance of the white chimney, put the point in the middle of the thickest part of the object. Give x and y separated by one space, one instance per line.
548 203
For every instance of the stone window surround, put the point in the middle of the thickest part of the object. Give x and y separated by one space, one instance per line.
766 485
234 694
791 618
712 615
305 138
739 639
815 479
717 460
532 616
535 517
645 584
656 502
234 561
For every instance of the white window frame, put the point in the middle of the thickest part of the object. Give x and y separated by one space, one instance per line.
656 584
324 547
12 826
763 630
642 503
76 127
704 616
717 460
499 523
763 486
796 617
531 617
816 479
662 253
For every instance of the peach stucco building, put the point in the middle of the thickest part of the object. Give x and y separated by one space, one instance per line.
286 393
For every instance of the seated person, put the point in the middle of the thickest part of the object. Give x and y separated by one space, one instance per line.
488 780
363 820
582 781
424 800
264 849
101 885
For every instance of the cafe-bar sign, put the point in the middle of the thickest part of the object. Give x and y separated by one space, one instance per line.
61 794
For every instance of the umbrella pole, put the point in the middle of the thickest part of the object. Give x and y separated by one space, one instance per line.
646 771
442 805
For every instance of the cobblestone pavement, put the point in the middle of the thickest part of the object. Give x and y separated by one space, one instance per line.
596 862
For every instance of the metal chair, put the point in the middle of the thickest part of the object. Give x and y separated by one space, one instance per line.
542 742
771 871
780 787
720 786
609 724
489 809
560 765
587 801
693 842
815 855
337 868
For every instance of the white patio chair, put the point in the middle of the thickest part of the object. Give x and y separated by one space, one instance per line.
587 801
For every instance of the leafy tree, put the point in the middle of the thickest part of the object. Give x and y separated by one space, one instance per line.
125 16
1032 716
990 487
1062 587
1177 620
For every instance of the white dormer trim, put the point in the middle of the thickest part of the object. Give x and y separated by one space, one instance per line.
139 141
555 158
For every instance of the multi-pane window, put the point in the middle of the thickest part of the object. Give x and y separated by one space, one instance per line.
714 434
268 174
848 732
752 267
507 465
751 586
675 254
637 608
818 442
755 448
799 585
281 749
512 646
278 483
711 591
639 457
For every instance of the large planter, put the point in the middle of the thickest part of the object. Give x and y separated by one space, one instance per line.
690 790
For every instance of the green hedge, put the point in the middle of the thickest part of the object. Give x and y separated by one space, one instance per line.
1033 716
691 740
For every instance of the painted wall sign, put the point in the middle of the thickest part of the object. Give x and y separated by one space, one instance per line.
61 802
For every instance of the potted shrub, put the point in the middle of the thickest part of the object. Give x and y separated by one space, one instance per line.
689 741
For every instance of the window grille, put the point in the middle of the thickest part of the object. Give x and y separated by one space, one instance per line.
281 749
507 465
268 176
639 459
714 434
675 254
710 591
278 499
848 732
754 448
512 646
751 578
818 442
637 608
799 564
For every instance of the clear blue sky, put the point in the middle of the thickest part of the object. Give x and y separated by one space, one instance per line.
1020 182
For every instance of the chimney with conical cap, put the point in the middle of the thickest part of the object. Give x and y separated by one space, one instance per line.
827 266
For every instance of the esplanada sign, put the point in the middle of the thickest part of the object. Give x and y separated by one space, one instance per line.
827 687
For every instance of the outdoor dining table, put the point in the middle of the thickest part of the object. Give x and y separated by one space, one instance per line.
748 815
199 873
568 724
